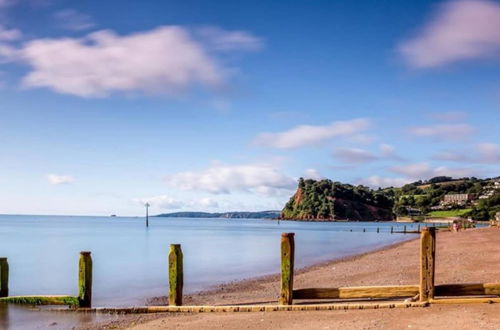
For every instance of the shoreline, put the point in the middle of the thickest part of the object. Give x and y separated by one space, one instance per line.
470 256
235 286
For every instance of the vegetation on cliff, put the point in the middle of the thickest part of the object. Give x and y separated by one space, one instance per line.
328 200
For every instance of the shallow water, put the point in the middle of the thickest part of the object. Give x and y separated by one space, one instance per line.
130 260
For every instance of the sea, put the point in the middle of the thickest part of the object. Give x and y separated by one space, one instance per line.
130 260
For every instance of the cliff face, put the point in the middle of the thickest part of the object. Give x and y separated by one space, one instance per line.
325 200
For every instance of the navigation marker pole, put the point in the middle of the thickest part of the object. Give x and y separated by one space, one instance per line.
147 215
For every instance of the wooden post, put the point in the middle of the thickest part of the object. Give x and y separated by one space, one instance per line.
364 229
85 279
427 263
418 228
175 275
378 230
287 264
4 277
404 229
392 229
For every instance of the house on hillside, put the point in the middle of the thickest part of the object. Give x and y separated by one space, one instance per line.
457 199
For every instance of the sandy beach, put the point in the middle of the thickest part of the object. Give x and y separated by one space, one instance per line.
465 257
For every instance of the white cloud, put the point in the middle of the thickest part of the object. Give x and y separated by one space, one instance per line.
450 132
425 171
459 30
225 179
312 173
166 60
73 20
162 201
163 60
354 155
222 40
304 135
9 34
382 182
57 179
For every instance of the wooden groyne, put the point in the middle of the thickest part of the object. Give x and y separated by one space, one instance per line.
84 298
422 294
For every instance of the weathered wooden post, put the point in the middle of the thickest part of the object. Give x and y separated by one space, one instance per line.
85 279
287 264
404 229
392 229
427 263
175 275
378 230
418 228
4 277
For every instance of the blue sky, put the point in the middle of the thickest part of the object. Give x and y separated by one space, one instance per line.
195 105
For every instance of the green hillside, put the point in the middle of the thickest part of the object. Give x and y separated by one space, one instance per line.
328 200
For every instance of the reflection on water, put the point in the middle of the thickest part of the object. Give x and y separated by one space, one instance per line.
130 260
14 317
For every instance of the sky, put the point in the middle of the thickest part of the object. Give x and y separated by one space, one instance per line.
223 105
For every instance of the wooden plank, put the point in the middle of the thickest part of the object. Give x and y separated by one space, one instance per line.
85 279
468 289
175 275
465 301
287 265
41 300
427 263
247 308
357 292
4 277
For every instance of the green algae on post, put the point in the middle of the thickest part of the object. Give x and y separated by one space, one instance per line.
41 300
175 275
287 264
85 280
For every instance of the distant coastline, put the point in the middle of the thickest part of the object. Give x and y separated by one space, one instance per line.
228 215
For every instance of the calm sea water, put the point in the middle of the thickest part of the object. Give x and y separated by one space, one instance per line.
130 260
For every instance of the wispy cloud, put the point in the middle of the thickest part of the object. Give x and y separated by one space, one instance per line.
383 182
425 171
9 34
482 153
166 60
312 173
305 135
57 179
449 115
221 40
73 20
449 132
354 155
459 30
361 156
225 179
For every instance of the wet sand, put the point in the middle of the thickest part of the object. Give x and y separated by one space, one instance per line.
465 257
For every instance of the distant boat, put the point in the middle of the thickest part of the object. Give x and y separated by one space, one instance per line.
113 215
